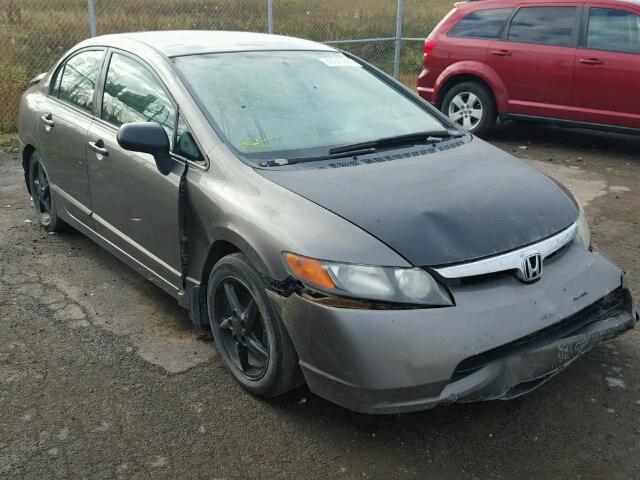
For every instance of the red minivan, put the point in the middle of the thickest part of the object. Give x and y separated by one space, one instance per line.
566 62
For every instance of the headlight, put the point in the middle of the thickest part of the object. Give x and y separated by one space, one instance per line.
384 284
584 234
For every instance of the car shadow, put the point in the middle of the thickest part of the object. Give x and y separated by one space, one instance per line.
561 430
515 133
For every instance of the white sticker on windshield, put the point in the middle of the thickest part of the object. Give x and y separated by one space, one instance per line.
339 62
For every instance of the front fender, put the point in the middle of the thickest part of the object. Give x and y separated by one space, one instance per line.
231 202
476 69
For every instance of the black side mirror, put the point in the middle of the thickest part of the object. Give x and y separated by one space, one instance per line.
147 137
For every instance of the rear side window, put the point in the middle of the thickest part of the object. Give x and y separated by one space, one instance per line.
544 25
78 79
481 24
613 30
132 94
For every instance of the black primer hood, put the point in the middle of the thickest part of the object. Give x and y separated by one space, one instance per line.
449 204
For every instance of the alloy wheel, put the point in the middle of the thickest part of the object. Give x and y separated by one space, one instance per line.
242 332
41 192
466 110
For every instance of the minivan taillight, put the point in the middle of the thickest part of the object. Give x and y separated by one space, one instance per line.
429 45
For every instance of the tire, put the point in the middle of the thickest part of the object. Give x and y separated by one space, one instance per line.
43 199
241 329
470 105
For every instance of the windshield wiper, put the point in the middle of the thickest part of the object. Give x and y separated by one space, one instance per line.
366 148
280 162
399 140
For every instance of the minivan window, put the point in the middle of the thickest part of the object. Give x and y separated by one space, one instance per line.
544 25
79 77
132 94
481 24
298 103
613 30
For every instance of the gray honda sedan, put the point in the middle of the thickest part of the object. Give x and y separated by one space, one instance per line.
328 225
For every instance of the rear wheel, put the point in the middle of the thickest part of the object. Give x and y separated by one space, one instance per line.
248 332
470 105
43 201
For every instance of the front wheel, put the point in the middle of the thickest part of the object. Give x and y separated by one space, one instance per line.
470 105
248 332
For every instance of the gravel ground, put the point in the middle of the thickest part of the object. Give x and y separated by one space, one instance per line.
102 376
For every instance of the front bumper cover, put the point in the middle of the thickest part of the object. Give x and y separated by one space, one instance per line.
502 379
501 340
516 375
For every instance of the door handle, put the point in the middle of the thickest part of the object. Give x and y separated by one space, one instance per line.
47 120
591 61
98 147
501 53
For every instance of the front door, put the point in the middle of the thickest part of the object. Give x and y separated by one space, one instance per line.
535 61
135 206
63 122
608 68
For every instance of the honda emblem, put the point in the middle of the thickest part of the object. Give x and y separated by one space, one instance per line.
531 269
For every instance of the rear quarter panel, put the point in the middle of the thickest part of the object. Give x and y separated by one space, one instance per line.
479 70
28 114
455 56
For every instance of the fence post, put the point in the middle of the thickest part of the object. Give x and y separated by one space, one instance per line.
399 26
92 17
270 15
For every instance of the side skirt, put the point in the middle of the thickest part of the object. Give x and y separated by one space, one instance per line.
569 123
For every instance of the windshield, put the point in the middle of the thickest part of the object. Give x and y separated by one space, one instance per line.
289 103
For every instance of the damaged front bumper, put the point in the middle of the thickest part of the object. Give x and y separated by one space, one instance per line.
501 340
519 373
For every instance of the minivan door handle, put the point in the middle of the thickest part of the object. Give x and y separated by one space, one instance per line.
47 119
501 53
98 147
591 61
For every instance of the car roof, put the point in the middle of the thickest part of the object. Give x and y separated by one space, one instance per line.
188 42
488 3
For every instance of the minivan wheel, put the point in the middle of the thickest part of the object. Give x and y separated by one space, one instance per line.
470 105
248 332
43 200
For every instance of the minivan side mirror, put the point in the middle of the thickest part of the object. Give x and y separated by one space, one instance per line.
147 137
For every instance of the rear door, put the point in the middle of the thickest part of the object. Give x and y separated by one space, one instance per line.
135 206
535 59
65 117
608 67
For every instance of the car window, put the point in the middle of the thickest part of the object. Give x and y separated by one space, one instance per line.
544 25
132 94
186 145
613 30
481 24
78 79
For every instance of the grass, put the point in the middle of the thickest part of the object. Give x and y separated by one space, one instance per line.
33 33
8 141
13 81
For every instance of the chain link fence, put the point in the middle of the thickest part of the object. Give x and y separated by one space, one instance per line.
35 33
